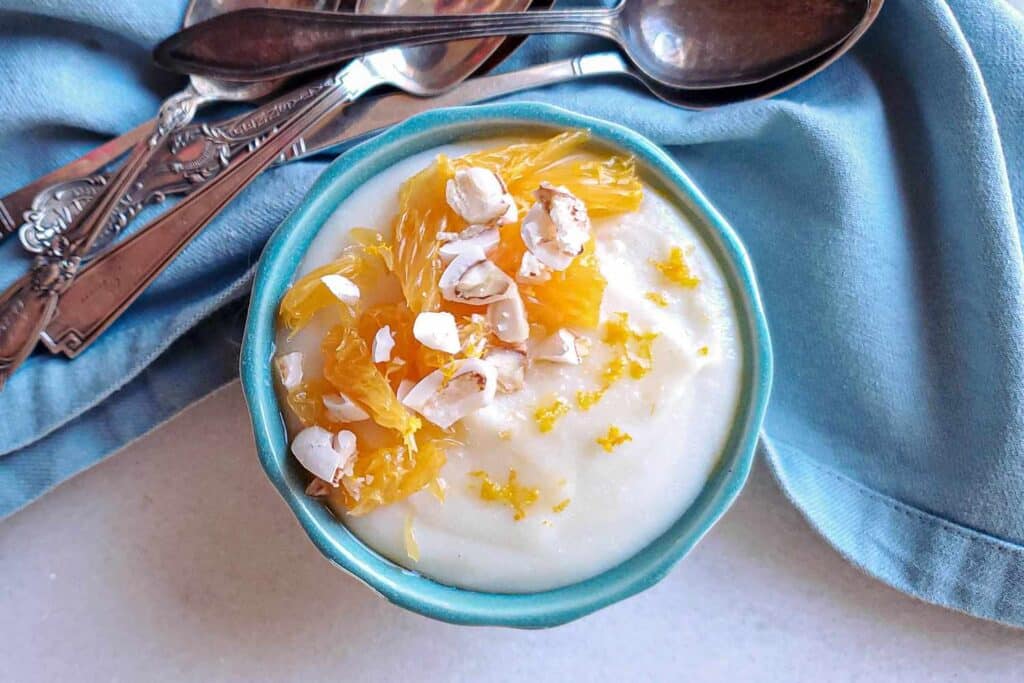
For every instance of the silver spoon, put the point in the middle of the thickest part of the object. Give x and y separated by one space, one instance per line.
105 289
56 206
691 44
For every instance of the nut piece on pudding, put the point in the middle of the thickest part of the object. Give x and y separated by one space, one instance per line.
480 197
488 351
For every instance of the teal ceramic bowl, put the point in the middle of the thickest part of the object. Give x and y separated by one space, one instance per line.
409 589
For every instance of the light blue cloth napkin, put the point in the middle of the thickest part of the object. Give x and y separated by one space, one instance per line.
877 200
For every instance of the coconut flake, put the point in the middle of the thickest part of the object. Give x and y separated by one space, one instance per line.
472 279
323 454
511 368
383 345
437 331
532 271
480 197
563 346
341 409
508 318
289 369
471 387
342 288
486 240
557 227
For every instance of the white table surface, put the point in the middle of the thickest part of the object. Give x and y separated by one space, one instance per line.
176 561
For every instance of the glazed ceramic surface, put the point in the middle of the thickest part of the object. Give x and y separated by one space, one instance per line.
277 270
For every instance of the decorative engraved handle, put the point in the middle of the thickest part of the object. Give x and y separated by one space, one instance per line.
27 309
189 158
111 284
16 204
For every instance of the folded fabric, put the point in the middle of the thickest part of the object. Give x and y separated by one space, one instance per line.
878 202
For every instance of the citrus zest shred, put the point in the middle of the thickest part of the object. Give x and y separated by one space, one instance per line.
412 548
448 372
613 439
561 506
675 269
703 351
586 400
438 488
547 415
636 353
657 298
634 356
518 497
473 333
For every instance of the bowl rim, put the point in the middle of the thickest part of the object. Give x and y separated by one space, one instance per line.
406 588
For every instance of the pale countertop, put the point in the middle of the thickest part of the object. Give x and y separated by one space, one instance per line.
175 560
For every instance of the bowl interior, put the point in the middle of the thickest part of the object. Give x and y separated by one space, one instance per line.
276 270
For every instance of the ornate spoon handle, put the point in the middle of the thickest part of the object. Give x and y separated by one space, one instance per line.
188 158
15 206
28 307
139 259
295 41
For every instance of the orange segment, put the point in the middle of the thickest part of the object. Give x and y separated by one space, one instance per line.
517 163
394 472
349 367
306 401
607 186
422 213
363 264
571 298
399 318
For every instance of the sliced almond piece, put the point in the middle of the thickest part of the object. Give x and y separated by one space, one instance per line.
511 368
508 318
323 454
383 345
486 240
471 387
437 331
563 346
472 279
341 409
480 197
532 271
289 369
557 227
342 288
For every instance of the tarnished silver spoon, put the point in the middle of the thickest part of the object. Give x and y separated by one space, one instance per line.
692 44
56 206
99 293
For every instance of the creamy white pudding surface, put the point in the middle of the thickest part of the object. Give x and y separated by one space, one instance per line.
678 417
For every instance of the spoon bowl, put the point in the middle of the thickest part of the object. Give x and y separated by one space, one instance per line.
430 69
691 44
729 43
709 99
215 89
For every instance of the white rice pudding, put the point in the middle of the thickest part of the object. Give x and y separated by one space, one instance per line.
679 417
